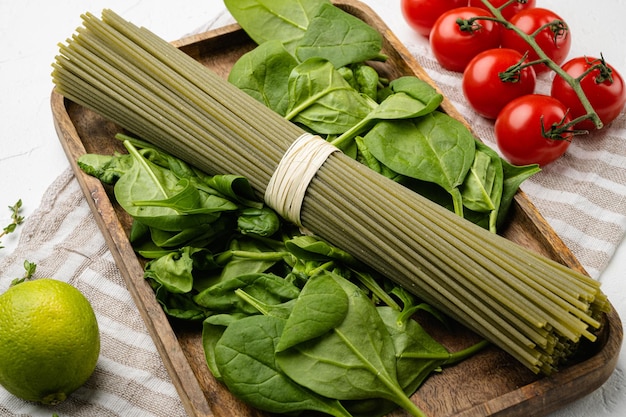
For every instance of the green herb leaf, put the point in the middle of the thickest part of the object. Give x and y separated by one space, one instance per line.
340 38
245 358
263 74
282 20
355 360
434 148
322 100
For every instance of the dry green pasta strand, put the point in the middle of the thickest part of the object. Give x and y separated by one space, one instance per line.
533 295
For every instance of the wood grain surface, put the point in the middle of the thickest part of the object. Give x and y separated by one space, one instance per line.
488 384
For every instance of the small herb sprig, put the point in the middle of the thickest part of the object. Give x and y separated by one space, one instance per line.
29 271
16 219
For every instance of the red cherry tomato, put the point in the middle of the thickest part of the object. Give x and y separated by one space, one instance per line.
421 14
454 47
603 87
519 134
483 86
556 43
509 10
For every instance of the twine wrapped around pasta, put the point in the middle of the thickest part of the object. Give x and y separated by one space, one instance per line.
532 307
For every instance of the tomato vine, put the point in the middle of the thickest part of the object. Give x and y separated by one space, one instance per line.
558 27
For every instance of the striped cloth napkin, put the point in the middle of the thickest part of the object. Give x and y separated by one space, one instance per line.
63 239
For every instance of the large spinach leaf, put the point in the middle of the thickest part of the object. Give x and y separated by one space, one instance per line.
263 74
156 197
322 100
245 357
356 360
434 148
321 306
409 97
282 20
340 38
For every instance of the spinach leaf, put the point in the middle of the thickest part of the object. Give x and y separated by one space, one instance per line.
322 100
187 199
263 74
482 189
513 177
154 195
321 306
410 97
258 221
107 168
435 148
199 236
269 288
233 187
417 353
340 38
213 328
282 310
354 361
180 306
282 20
367 80
365 157
245 358
313 249
173 271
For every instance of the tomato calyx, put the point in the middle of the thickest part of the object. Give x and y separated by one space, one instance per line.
470 25
605 73
561 130
513 74
558 28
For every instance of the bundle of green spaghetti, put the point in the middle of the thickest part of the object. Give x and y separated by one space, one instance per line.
535 309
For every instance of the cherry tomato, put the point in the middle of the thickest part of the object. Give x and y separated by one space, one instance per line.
483 86
455 47
603 87
509 10
518 130
421 14
556 43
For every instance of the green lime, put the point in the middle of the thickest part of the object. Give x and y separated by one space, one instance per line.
49 340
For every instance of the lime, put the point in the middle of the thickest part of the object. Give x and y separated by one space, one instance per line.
49 340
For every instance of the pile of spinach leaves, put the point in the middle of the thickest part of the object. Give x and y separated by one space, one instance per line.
289 322
311 66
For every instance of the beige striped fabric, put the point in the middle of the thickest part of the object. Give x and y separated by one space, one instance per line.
63 239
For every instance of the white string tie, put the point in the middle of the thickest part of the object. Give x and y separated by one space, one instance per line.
287 186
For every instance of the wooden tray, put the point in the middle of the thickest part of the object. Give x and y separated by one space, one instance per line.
489 384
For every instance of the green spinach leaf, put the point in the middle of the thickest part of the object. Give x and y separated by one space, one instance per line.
282 20
356 360
245 358
410 98
258 221
513 177
322 100
482 189
268 288
434 148
263 74
340 38
321 306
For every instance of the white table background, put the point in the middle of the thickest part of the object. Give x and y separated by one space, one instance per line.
31 156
